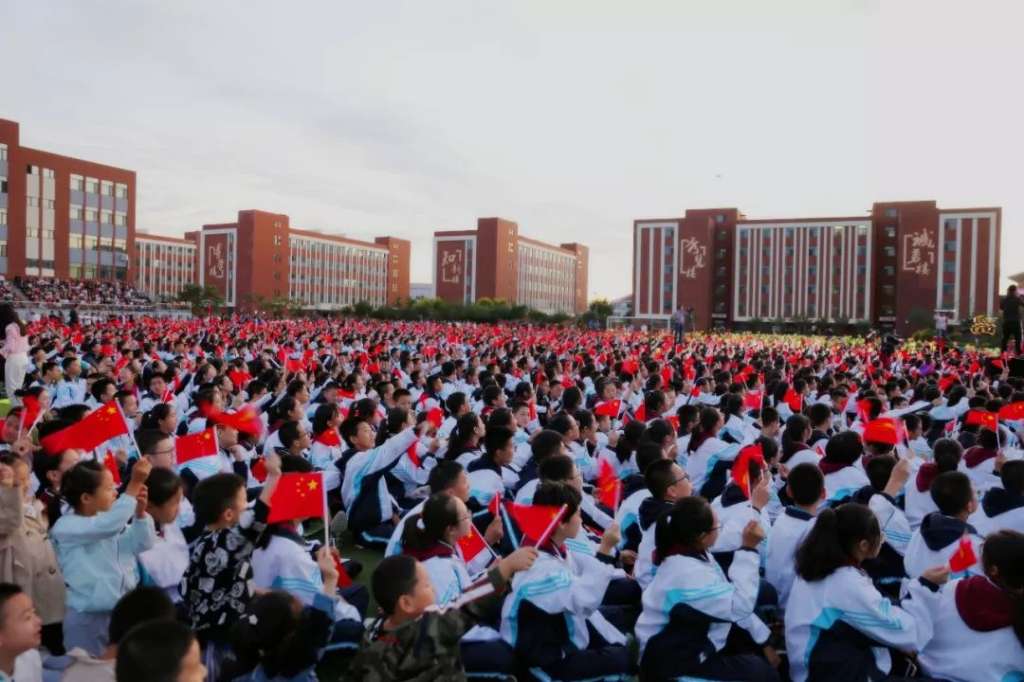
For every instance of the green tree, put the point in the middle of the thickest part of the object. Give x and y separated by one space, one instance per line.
200 297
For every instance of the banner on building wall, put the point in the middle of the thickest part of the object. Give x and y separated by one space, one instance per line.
215 262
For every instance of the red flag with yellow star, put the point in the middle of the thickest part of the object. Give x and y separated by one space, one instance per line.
196 445
297 496
96 428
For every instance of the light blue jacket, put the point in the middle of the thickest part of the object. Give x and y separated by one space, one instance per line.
97 554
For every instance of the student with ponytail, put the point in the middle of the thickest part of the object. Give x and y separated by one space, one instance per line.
709 456
978 622
690 608
839 627
464 442
795 437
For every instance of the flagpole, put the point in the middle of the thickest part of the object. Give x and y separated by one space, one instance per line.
131 431
508 524
327 523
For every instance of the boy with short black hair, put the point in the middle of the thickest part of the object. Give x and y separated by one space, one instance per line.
805 486
940 533
20 635
1003 508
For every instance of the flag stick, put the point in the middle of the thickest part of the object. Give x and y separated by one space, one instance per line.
474 529
327 523
508 525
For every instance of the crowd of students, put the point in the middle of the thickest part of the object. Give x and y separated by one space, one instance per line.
733 507
88 292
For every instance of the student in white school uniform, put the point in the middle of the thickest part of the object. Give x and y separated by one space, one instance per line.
667 483
551 615
691 607
490 475
1002 508
163 565
739 504
805 486
709 456
839 627
973 628
917 501
841 466
940 533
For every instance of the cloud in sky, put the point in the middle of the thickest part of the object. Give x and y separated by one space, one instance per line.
571 118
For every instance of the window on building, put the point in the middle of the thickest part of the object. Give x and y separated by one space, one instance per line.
92 185
277 240
75 213
120 219
31 170
890 232
107 188
3 216
950 247
889 270
889 251
891 213
121 190
3 152
77 183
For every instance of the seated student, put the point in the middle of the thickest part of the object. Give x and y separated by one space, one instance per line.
327 446
916 426
49 470
843 476
565 424
737 506
690 608
551 617
819 416
979 461
158 448
364 491
97 546
413 468
457 406
939 536
433 540
887 478
977 624
543 444
628 514
217 585
839 627
160 651
687 416
667 483
709 456
562 468
138 606
284 635
163 565
735 430
414 640
464 443
769 422
805 486
918 501
795 442
489 474
20 636
283 560
1002 508
27 558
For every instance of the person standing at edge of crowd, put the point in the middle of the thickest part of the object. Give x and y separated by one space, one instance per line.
679 324
14 351
1010 306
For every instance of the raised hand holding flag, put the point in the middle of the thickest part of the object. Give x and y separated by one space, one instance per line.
964 556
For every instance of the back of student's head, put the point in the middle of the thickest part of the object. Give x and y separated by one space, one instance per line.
659 477
769 415
266 636
844 448
544 444
947 453
796 429
1002 557
819 414
557 468
138 606
988 439
806 483
82 479
658 431
497 438
427 527
952 492
214 495
444 475
1012 476
455 402
835 539
394 577
878 470
679 528
295 464
153 651
553 494
162 485
647 453
561 423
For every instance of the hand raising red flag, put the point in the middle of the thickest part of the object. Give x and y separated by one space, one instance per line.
964 557
96 428
534 520
609 487
297 496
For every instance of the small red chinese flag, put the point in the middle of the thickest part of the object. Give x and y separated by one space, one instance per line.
30 412
1012 412
258 469
741 467
494 505
882 430
964 556
246 420
533 520
297 496
609 487
641 413
794 400
472 543
96 428
609 408
435 416
984 419
111 465
196 445
329 437
753 400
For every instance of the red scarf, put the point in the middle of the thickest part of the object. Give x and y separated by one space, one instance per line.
329 437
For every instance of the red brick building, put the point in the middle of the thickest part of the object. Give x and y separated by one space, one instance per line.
494 261
903 259
261 257
61 216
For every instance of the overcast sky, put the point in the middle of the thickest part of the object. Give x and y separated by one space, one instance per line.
571 118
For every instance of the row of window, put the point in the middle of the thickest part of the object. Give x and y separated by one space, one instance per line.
48 173
106 216
107 188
